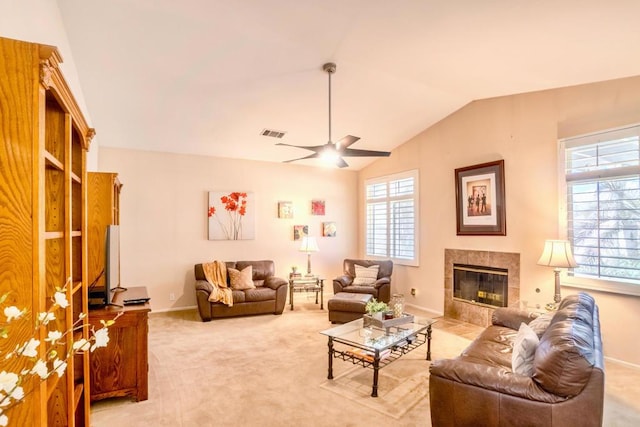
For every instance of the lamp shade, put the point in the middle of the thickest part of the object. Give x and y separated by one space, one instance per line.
309 244
557 253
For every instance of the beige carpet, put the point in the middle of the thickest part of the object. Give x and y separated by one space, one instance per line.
401 384
268 370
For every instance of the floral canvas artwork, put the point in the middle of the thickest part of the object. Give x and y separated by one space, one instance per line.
317 207
329 229
231 215
300 231
285 210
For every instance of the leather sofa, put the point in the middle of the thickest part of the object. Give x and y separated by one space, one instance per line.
479 388
380 290
269 295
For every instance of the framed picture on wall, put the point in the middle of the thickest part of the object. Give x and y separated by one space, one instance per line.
480 207
317 207
285 210
300 231
329 229
231 215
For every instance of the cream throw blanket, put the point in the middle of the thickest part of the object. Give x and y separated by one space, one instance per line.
216 274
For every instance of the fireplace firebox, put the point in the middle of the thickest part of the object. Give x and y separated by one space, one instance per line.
480 285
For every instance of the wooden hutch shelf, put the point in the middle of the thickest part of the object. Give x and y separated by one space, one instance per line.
43 143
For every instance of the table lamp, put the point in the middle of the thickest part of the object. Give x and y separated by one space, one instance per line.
557 254
309 245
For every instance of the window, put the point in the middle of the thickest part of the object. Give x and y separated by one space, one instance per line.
392 212
602 176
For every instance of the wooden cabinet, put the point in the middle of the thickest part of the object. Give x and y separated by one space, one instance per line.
43 142
103 207
121 368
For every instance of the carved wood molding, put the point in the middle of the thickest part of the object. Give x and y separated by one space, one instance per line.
51 79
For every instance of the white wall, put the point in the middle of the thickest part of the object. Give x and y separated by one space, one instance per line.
523 130
39 21
164 217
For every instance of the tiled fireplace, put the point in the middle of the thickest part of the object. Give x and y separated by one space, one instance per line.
476 312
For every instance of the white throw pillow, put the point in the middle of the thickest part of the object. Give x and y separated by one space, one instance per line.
241 280
366 275
524 350
541 323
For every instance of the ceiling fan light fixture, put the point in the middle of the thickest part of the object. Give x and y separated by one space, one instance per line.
330 155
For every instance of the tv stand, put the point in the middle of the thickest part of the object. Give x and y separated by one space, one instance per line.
120 369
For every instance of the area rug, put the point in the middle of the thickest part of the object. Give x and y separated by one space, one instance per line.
401 384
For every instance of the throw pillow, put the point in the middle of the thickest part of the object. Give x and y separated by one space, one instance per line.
524 350
241 280
366 275
540 323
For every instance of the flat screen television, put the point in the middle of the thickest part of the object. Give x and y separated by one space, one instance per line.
112 262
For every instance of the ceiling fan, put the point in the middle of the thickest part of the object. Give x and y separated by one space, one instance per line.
336 151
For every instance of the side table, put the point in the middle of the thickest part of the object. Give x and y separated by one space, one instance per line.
307 284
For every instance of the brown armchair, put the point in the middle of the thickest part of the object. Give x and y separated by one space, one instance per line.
381 289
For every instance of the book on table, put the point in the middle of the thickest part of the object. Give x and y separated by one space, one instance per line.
368 355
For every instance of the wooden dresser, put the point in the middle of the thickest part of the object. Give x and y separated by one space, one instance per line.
121 368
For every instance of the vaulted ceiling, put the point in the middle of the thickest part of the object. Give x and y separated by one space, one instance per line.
207 76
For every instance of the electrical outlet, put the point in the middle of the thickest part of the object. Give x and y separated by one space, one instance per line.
413 291
172 296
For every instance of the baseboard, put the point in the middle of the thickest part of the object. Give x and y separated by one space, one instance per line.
622 362
166 310
426 310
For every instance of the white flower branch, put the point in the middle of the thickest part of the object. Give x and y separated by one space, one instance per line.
11 390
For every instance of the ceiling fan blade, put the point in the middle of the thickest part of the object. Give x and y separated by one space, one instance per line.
354 152
341 163
316 148
347 141
310 156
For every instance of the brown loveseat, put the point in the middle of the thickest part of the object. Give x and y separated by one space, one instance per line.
268 296
479 388
380 290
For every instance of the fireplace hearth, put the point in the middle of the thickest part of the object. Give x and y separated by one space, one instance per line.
479 312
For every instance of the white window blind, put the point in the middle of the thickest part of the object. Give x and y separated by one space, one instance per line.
391 217
602 173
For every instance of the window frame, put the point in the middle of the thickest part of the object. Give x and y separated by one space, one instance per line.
387 179
571 279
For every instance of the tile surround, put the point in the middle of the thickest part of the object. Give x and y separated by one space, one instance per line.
474 313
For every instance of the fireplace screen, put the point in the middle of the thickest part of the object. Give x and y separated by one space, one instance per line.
481 285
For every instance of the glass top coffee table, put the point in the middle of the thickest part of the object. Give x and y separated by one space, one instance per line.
375 347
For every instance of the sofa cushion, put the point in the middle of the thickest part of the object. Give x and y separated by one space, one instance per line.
238 296
365 275
524 350
567 351
261 269
492 347
541 323
241 280
262 293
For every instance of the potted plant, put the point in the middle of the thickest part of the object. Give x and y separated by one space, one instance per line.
374 307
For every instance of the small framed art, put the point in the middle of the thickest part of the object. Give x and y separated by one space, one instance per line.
285 210
317 207
300 231
329 229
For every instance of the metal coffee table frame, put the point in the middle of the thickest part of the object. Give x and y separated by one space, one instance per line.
400 339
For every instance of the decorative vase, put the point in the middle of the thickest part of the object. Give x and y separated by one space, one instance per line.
397 305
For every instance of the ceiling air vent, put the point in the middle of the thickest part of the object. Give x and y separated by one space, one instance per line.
272 133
